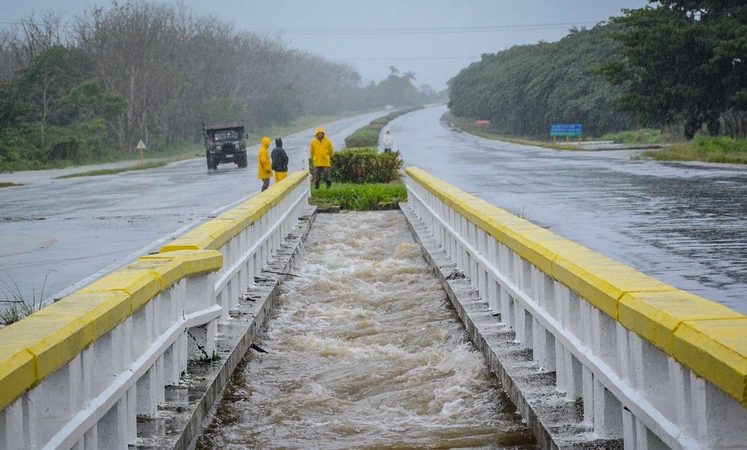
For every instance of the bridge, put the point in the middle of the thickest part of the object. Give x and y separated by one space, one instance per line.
592 352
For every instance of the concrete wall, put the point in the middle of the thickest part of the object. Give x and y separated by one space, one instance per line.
651 365
77 374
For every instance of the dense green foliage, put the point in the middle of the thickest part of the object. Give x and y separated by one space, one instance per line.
92 89
360 197
365 165
684 62
524 89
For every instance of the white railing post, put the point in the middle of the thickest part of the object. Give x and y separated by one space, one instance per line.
631 388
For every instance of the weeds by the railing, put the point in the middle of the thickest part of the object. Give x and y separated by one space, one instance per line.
13 306
519 211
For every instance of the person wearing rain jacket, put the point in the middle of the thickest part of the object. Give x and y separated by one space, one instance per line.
321 155
279 161
388 142
264 168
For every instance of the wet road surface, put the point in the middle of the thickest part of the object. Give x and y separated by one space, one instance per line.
71 230
681 223
684 224
364 352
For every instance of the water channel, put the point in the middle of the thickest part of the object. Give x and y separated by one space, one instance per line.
363 352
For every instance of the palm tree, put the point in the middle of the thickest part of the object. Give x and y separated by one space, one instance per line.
410 75
393 71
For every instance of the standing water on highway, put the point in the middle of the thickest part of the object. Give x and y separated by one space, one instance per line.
364 351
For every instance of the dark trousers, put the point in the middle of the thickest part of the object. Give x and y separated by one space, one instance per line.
318 176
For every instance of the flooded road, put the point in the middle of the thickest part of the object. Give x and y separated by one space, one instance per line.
56 234
684 224
364 351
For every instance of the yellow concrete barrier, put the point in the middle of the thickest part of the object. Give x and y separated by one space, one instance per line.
214 234
706 337
33 348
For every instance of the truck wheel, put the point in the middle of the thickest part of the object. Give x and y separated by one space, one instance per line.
242 161
209 163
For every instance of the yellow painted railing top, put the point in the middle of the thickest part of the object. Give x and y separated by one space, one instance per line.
36 346
706 337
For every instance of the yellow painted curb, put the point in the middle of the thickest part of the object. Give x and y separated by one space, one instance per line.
717 351
706 337
214 234
36 346
17 371
656 316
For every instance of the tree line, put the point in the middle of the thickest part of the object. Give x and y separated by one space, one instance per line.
526 88
91 88
684 63
679 64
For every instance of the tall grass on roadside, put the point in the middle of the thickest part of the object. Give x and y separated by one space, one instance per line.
360 197
13 306
92 173
642 136
704 148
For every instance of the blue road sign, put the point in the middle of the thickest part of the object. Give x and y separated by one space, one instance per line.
566 129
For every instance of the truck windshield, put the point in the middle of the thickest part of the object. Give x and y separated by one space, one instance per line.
226 135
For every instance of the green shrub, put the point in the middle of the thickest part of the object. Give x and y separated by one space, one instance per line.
362 138
382 120
393 115
365 165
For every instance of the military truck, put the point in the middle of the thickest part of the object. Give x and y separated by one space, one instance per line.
225 143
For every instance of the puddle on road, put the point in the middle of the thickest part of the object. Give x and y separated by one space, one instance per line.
364 352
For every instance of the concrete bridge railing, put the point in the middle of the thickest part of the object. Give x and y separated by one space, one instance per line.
77 373
653 365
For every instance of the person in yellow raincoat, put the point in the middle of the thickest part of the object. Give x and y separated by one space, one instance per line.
264 168
321 155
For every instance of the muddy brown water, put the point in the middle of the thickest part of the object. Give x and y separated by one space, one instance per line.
364 352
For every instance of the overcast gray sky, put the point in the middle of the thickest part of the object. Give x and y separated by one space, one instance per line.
432 38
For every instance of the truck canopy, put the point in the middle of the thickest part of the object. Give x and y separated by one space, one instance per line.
222 126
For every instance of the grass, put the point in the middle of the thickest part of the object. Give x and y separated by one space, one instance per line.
469 127
145 166
4 185
359 197
705 149
18 307
642 136
299 124
519 211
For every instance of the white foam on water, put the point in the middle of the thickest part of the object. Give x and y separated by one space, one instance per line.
364 352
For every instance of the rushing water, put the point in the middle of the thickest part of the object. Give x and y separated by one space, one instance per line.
364 352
